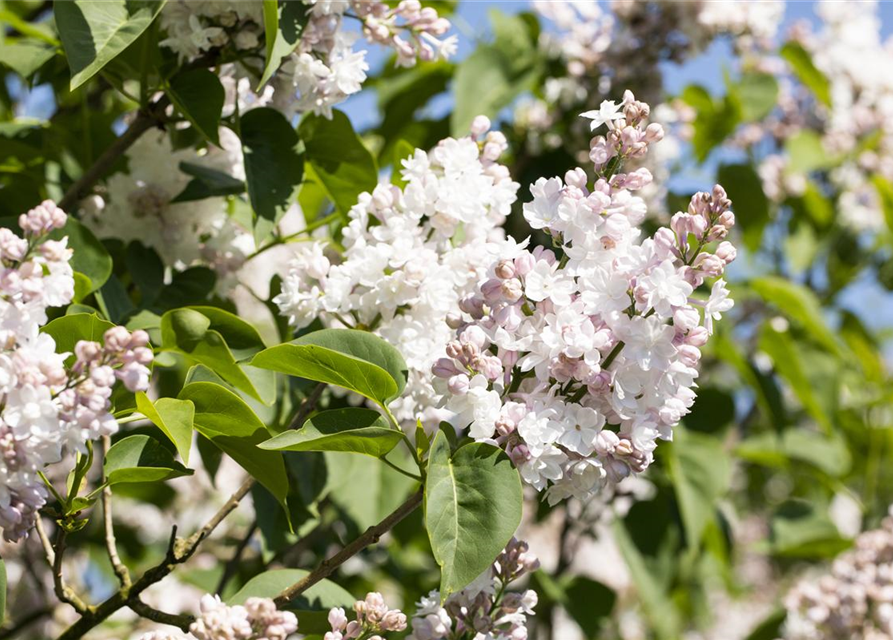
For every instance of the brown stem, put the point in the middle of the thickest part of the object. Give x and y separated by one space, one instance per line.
179 551
370 536
182 621
63 591
144 121
307 406
111 545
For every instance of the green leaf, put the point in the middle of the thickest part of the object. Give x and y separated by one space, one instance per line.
785 355
799 529
274 165
199 95
363 488
588 602
884 190
745 189
225 419
770 628
283 24
174 417
351 430
94 32
803 67
800 305
207 183
311 607
190 286
26 56
190 332
351 359
656 603
140 458
472 509
715 119
89 256
758 95
342 163
67 331
826 453
806 153
494 75
701 472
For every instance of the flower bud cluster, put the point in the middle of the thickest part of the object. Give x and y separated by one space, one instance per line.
628 135
854 600
577 366
47 408
373 619
410 255
484 609
325 69
257 619
84 403
423 29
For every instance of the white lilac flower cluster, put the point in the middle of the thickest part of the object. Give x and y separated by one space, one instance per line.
410 255
47 409
140 205
854 600
257 619
854 130
325 69
373 618
578 365
194 27
484 610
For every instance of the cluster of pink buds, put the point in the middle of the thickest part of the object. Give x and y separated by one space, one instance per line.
484 609
85 402
423 27
257 619
42 219
628 135
373 618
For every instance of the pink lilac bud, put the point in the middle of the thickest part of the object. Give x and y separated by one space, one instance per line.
697 337
709 264
479 126
445 368
689 355
726 252
576 178
505 269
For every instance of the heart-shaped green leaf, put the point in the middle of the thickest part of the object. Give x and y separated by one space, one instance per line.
351 430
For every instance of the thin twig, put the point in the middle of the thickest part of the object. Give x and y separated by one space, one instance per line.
307 406
180 620
144 121
370 536
111 545
63 591
232 565
45 542
179 551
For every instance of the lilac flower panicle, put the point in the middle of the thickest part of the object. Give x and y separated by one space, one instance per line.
47 408
578 365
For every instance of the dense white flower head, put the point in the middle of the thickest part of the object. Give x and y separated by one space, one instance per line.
324 69
410 256
46 407
577 365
